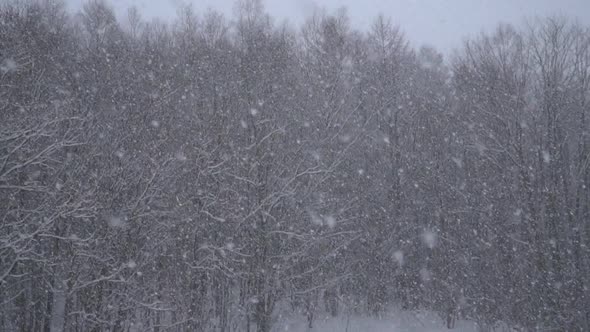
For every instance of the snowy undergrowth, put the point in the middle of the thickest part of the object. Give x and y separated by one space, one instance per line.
395 321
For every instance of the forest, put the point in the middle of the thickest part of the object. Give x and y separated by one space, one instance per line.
218 173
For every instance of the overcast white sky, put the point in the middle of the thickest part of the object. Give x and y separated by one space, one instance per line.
441 23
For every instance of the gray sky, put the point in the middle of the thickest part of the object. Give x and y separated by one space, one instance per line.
441 23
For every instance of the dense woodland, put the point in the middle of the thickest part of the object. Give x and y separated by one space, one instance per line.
218 173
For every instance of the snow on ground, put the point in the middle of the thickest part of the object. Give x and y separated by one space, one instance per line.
393 322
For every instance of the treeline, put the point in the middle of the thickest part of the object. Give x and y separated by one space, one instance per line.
217 174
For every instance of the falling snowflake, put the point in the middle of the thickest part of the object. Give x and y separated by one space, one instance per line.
425 274
116 221
8 65
330 221
399 257
429 239
315 218
180 156
481 149
345 138
546 157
